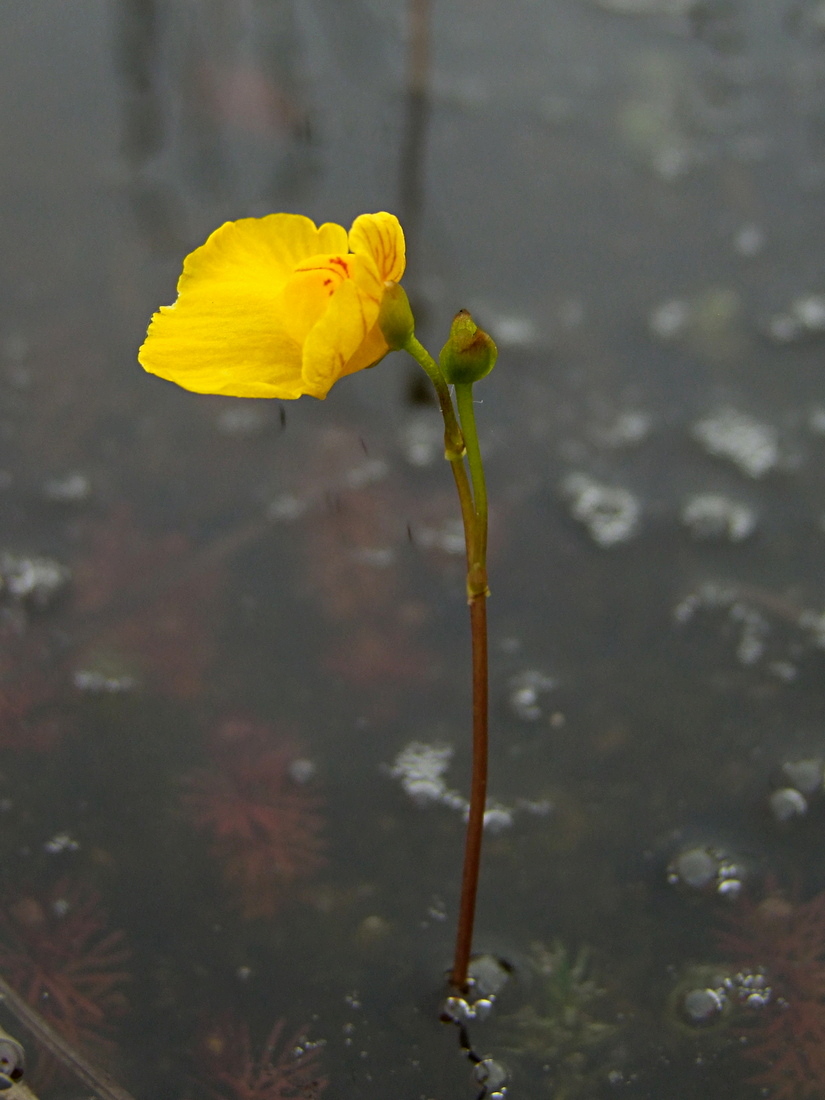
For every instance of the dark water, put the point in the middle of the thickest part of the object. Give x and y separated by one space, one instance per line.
629 194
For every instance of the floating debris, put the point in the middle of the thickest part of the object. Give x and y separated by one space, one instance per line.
751 445
610 514
715 516
71 488
421 767
525 692
34 581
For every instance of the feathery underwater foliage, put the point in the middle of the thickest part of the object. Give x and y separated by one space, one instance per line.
786 1037
264 826
56 953
284 1070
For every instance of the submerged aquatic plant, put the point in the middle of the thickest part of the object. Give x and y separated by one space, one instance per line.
56 952
230 1069
562 1025
263 823
785 1034
278 307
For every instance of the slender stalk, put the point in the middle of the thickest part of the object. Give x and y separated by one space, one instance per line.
460 442
478 796
477 592
477 582
454 445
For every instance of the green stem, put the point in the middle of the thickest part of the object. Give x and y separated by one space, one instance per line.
453 439
454 446
466 412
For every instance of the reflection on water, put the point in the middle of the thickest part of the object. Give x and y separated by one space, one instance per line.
226 625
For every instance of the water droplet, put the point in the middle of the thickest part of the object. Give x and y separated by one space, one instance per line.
490 1073
702 1006
787 803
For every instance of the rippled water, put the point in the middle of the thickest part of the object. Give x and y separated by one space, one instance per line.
207 600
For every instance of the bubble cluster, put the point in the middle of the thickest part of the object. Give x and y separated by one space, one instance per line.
31 580
753 447
704 868
525 692
610 513
797 785
715 516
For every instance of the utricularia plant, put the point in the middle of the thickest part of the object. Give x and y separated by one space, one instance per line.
279 307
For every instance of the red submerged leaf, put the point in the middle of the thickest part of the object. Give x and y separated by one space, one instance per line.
264 826
284 1070
56 952
785 1038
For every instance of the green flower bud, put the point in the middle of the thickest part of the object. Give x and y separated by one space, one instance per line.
469 353
395 317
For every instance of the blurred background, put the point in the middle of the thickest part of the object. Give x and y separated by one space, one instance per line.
234 637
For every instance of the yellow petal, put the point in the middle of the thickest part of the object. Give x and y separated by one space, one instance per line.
224 341
260 250
307 293
381 237
223 334
371 351
332 344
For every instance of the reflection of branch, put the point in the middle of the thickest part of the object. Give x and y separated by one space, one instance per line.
411 190
105 1086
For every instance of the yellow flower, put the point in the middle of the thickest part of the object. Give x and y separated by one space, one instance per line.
277 307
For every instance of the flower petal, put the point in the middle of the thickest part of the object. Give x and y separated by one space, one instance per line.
223 334
223 339
261 250
381 237
306 295
333 347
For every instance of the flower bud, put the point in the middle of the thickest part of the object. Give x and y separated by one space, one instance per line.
469 354
395 317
